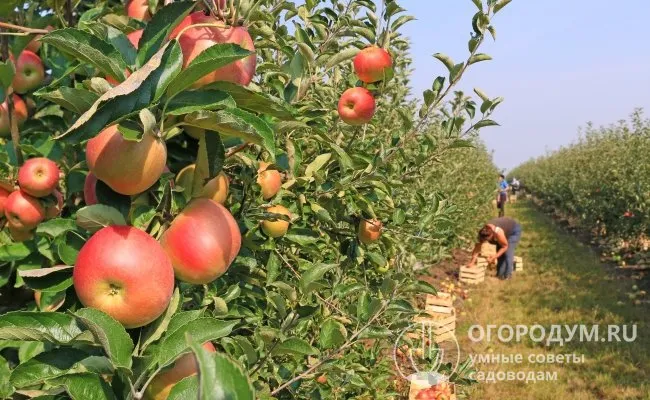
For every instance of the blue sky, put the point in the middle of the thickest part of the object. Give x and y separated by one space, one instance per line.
558 63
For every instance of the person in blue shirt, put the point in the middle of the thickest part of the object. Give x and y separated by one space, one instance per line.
502 195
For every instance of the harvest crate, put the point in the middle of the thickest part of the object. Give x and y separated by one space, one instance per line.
488 249
443 303
519 264
421 382
472 275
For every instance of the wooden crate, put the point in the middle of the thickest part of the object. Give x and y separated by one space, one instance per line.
519 264
421 382
472 275
441 324
488 249
440 304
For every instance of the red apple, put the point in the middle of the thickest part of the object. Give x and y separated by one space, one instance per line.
3 198
356 106
38 176
202 241
20 113
369 230
138 9
195 40
90 194
35 45
124 272
372 64
29 72
55 209
134 37
269 179
128 167
163 383
23 211
216 189
278 227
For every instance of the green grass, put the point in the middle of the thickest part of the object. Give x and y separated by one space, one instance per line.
563 283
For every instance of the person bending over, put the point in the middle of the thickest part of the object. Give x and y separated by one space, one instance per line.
505 233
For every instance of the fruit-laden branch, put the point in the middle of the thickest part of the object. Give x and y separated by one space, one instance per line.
349 343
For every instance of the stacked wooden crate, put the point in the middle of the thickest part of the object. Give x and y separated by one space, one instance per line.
441 317
472 275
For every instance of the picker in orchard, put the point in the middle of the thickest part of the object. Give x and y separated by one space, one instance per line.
502 195
505 233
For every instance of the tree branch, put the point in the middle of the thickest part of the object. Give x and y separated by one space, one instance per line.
7 25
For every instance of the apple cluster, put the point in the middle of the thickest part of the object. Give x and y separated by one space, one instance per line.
37 198
357 105
29 75
441 391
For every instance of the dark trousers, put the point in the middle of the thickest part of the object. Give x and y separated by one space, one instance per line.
506 263
501 204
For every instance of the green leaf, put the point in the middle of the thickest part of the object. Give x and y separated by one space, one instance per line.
115 37
214 152
16 251
460 143
344 159
341 57
156 329
445 59
484 123
117 344
219 377
142 88
481 94
5 386
209 60
318 163
478 58
88 48
45 366
399 216
429 97
56 227
472 44
438 83
68 247
500 4
54 279
196 100
52 327
478 4
95 217
332 334
7 72
76 100
255 101
295 346
182 318
401 21
85 386
186 388
421 287
201 329
303 236
455 72
160 27
236 123
376 258
314 274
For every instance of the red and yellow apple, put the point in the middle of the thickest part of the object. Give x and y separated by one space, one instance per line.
369 230
193 41
19 235
125 273
128 167
30 72
356 106
138 9
35 45
269 179
3 198
279 227
202 241
19 112
372 64
216 189
38 176
23 211
163 383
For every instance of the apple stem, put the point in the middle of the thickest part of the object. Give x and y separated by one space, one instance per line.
233 13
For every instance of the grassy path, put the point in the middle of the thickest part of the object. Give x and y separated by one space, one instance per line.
564 283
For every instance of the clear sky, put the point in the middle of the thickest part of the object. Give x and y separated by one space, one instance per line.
557 63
